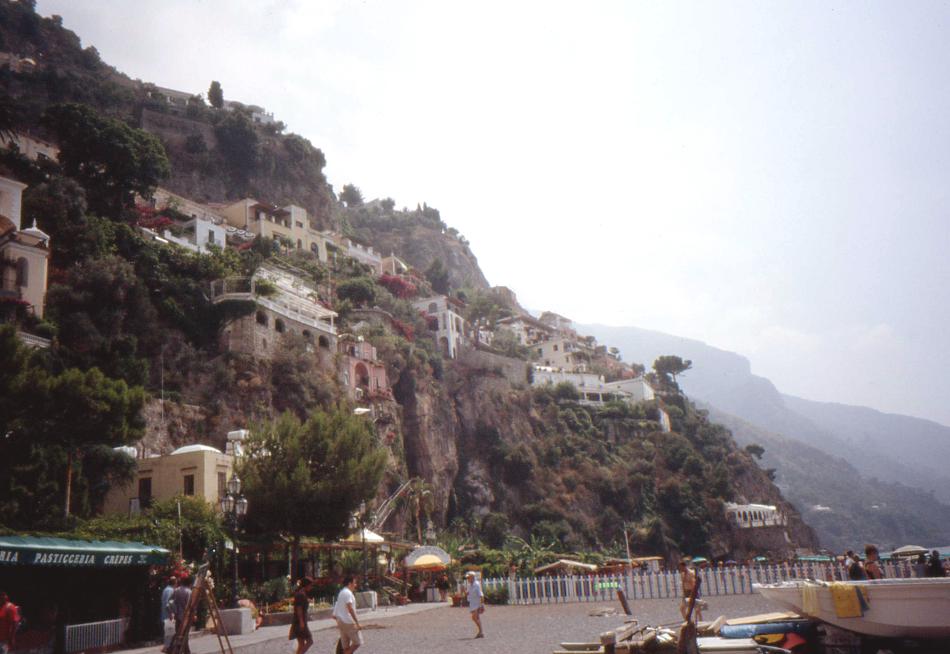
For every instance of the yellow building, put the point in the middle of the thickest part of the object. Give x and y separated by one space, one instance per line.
290 223
193 470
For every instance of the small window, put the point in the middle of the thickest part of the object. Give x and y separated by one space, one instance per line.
279 326
222 484
22 272
189 488
299 224
262 318
433 307
210 237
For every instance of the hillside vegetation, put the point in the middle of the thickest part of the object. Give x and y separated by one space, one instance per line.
491 451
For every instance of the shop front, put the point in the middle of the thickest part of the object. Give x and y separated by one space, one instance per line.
77 595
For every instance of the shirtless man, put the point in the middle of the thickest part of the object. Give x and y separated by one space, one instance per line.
688 580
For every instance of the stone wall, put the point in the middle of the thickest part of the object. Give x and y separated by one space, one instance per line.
514 370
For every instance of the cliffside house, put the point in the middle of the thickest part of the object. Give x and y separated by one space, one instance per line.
202 226
292 308
363 374
526 329
393 265
563 352
290 224
258 115
750 516
639 389
30 147
24 254
563 326
447 322
590 387
362 253
193 470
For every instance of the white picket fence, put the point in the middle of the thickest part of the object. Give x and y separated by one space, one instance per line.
95 635
641 585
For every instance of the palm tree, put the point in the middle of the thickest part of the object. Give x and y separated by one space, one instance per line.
420 500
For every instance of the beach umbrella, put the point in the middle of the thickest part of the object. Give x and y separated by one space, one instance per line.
427 562
909 550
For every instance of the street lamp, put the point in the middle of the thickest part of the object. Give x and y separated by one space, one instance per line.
234 507
359 520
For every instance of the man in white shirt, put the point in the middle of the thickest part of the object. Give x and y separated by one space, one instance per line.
476 603
344 612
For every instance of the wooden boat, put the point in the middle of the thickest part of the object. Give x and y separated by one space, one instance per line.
897 608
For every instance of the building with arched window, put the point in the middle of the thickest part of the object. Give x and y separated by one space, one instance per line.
24 253
446 321
749 516
363 374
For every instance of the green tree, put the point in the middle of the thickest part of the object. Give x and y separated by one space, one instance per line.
239 145
351 195
438 276
669 365
51 421
306 478
111 160
755 450
216 95
360 290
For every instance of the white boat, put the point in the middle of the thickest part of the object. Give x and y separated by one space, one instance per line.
897 608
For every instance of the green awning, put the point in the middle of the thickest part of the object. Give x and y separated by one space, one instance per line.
62 552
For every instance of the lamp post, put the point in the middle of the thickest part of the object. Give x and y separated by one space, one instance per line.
359 520
234 507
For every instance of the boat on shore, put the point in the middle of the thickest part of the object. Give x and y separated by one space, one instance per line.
893 608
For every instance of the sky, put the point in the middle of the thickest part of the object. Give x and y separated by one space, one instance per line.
770 178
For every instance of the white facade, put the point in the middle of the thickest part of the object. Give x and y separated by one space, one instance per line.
528 331
32 148
451 327
590 387
748 516
638 389
11 196
25 252
362 253
564 353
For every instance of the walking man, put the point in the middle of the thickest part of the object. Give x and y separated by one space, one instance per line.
344 612
299 628
166 609
9 618
688 581
476 601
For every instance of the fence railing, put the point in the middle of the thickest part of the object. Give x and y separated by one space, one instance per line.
95 635
649 584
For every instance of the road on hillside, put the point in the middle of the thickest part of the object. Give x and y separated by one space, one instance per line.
515 629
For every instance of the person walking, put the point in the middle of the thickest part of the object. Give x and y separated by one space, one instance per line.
299 628
9 619
344 612
688 582
476 602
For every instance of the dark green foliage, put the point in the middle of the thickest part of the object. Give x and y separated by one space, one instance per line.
493 530
360 291
299 385
351 195
755 450
239 146
40 413
438 277
668 366
216 95
110 159
305 479
496 595
195 144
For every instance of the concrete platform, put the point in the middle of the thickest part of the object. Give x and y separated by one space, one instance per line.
267 638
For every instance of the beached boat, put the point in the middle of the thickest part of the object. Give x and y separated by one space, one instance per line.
896 608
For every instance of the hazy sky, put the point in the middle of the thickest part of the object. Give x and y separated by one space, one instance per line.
771 178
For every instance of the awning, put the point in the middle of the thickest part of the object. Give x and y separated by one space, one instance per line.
62 552
369 536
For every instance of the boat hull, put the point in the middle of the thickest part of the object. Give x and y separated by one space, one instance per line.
898 608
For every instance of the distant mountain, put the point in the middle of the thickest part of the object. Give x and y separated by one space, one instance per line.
892 448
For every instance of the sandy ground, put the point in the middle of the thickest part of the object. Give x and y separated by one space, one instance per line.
515 629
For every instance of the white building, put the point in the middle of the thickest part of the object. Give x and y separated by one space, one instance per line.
638 389
526 329
561 352
590 387
449 325
24 253
362 253
748 516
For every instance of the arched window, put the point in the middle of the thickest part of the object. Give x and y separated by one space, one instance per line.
307 335
433 307
324 342
22 272
262 318
279 326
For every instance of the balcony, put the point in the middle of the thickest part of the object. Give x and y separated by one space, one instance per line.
232 288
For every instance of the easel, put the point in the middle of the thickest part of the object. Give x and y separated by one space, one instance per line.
201 590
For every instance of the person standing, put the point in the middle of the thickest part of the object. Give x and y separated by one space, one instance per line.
934 565
443 585
476 601
299 628
855 567
344 612
872 565
166 610
9 619
181 598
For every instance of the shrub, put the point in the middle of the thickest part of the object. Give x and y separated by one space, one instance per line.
496 595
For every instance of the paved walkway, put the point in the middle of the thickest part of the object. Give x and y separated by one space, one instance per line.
267 639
